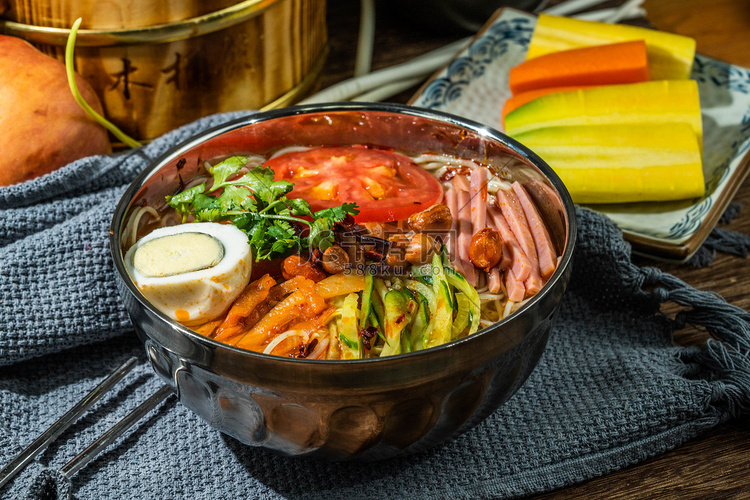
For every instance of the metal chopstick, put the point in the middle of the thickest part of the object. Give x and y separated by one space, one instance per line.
114 432
48 436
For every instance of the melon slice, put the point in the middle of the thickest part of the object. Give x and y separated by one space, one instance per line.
519 100
666 101
622 163
670 56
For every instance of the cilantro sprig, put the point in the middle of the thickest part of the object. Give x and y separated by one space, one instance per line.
257 204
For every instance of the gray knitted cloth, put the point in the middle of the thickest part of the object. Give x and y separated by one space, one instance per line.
610 391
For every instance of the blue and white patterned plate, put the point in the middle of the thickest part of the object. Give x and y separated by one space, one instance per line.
475 85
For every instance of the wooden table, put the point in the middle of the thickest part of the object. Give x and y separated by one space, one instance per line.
716 465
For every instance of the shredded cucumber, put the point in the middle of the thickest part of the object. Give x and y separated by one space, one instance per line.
462 315
380 288
419 324
366 300
425 291
435 307
351 347
442 319
406 343
457 281
395 321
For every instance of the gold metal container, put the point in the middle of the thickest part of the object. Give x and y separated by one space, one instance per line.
158 65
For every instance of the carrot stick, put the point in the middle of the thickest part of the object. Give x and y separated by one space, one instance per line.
340 284
250 298
302 303
608 64
519 100
286 287
207 329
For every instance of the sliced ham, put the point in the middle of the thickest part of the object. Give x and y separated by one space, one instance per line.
451 239
461 183
520 263
544 249
478 191
464 236
514 215
505 259
494 280
515 287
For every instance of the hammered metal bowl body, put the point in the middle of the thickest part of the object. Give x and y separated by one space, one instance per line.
363 409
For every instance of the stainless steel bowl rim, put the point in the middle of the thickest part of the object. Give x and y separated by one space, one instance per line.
251 119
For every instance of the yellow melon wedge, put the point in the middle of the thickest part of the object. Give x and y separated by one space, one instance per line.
670 56
622 163
665 101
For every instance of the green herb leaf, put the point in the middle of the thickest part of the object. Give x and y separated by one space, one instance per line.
223 170
337 214
299 207
183 202
257 204
235 198
260 181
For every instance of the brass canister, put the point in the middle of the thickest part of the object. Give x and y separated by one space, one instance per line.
158 65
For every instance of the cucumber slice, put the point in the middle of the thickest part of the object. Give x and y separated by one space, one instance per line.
351 346
442 319
396 320
456 280
462 315
425 291
366 300
419 325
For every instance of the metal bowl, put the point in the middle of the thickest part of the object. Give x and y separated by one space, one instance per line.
364 409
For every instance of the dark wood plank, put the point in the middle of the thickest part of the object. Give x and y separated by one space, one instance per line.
715 465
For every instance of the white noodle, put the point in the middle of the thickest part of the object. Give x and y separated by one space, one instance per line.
333 342
198 179
320 349
131 227
485 323
488 297
283 336
254 161
288 149
432 161
170 219
508 309
498 309
495 184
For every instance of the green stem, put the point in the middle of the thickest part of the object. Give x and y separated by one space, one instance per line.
69 50
269 207
285 217
268 216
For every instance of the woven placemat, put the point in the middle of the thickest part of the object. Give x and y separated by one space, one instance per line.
610 390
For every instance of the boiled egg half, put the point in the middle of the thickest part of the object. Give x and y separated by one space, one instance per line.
191 272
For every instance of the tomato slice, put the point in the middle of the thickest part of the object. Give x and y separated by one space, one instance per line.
386 186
